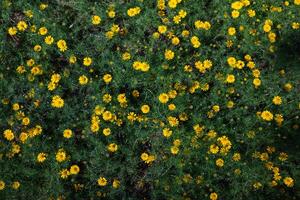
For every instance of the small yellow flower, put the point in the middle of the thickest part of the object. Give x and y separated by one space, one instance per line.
288 181
49 40
169 54
107 78
144 156
41 157
116 183
64 173
22 25
163 98
277 100
67 133
112 147
87 61
74 169
267 115
102 181
174 150
231 31
131 12
213 196
8 134
230 78
25 121
57 102
43 31
167 132
15 185
12 31
83 80
62 45
61 155
145 109
220 162
2 185
106 131
96 20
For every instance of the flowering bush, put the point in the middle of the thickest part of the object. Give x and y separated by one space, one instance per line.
156 99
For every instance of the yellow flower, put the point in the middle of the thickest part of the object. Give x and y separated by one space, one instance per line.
67 133
163 98
236 157
288 181
49 40
235 14
37 48
25 121
237 5
61 155
230 78
214 149
22 26
106 131
107 115
12 31
55 78
213 196
267 28
116 183
297 2
74 169
174 150
131 12
162 29
145 109
83 80
102 181
111 14
57 102
126 56
142 66
195 42
288 87
144 156
172 3
256 82
62 45
231 31
277 100
112 147
267 115
167 132
43 31
8 134
96 20
41 157
107 78
23 137
171 106
169 54
2 185
87 61
15 185
72 59
231 61
175 40
216 108
64 173
220 162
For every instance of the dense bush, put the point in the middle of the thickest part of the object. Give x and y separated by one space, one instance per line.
154 99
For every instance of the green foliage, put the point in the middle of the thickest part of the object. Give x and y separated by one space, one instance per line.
229 140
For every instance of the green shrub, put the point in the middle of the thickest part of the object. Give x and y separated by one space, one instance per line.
154 99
